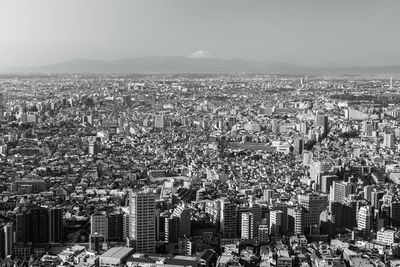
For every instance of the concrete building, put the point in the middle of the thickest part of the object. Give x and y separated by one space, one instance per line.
339 191
364 218
385 236
115 256
247 225
142 220
99 224
313 205
228 218
295 220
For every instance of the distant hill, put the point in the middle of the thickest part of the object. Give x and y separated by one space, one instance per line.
196 63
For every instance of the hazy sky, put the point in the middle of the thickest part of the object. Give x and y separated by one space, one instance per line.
363 32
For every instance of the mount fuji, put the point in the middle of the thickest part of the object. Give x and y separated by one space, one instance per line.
200 54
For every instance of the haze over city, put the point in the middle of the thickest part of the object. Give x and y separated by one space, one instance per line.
210 133
35 33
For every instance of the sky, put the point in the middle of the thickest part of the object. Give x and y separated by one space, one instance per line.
306 32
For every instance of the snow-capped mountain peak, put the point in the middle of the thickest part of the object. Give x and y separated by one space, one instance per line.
201 54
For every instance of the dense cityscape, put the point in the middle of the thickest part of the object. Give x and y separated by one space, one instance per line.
199 170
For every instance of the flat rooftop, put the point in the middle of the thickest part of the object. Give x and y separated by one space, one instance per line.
117 252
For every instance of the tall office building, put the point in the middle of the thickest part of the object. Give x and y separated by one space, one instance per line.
263 233
344 214
388 140
321 120
115 226
375 197
239 212
298 146
39 225
275 223
395 214
340 190
56 225
183 213
313 205
284 208
125 226
327 181
172 226
99 224
32 226
268 194
228 218
247 225
364 218
257 212
295 220
142 220
8 239
368 193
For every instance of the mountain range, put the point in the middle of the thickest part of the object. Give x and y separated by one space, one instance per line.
198 62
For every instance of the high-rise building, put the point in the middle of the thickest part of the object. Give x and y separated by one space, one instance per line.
321 120
159 121
8 239
22 227
388 140
228 218
298 146
257 212
184 215
99 224
268 194
375 197
247 225
32 226
142 220
282 206
391 83
368 193
295 220
263 233
275 223
115 226
395 214
368 128
344 214
125 226
172 226
56 225
39 225
313 205
1 104
327 181
319 168
340 190
364 218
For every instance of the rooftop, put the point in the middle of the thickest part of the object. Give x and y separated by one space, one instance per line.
117 252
